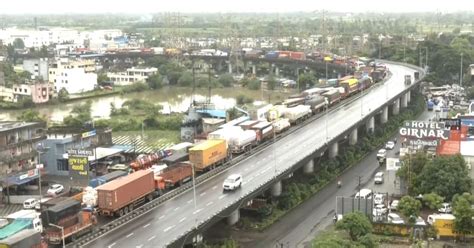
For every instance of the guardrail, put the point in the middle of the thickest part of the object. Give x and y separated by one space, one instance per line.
114 224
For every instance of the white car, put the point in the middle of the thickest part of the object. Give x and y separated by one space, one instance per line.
378 179
445 208
395 219
379 209
30 203
394 205
378 199
232 182
382 153
420 221
390 145
55 189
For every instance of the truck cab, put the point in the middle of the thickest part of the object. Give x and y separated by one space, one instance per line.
407 79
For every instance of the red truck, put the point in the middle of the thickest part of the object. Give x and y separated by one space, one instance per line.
74 226
173 176
121 195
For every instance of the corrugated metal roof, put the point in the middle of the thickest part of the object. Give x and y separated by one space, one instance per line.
138 144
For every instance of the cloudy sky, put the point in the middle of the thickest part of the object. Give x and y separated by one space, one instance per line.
147 6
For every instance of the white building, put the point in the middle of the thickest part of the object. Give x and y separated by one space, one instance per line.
37 67
57 67
75 81
132 75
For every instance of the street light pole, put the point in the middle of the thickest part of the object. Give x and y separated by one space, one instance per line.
460 73
62 233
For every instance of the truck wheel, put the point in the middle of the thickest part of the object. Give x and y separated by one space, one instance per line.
121 212
150 197
126 210
130 208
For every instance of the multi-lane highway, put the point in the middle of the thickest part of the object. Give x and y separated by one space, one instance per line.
179 215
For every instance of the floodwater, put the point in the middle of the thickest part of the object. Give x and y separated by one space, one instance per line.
173 99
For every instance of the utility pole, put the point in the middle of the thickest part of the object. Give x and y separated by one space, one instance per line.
460 73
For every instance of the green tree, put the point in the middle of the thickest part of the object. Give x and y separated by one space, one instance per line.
464 213
186 79
101 78
330 240
356 224
271 83
63 95
226 80
433 201
254 84
18 44
409 207
306 80
31 115
243 99
80 115
154 81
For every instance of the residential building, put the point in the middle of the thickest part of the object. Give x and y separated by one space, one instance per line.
6 94
18 155
60 140
37 67
132 75
41 92
74 75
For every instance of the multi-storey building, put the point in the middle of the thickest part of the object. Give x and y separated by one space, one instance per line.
132 75
76 76
37 67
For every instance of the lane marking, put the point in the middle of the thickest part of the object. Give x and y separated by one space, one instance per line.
197 211
110 246
215 187
168 228
190 201
139 246
203 193
151 238
161 217
209 203
222 196
176 209
145 226
129 235
181 220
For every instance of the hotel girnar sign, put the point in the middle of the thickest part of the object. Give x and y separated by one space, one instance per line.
424 130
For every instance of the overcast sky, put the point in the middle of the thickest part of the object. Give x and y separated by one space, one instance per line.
148 6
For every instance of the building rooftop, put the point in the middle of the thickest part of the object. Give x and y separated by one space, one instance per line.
6 126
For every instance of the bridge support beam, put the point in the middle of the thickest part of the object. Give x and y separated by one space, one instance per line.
404 101
333 150
384 115
276 189
233 217
353 137
370 125
309 167
396 107
230 68
254 69
277 71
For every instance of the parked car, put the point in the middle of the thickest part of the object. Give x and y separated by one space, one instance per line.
420 221
379 209
55 189
390 145
395 219
364 194
379 199
445 208
30 203
378 179
382 153
233 182
394 205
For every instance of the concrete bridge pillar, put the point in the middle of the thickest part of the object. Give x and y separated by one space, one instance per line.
408 96
353 137
370 124
396 107
309 167
197 239
384 115
276 189
277 71
230 68
333 150
404 102
233 217
254 69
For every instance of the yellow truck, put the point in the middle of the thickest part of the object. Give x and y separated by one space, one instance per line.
444 225
208 154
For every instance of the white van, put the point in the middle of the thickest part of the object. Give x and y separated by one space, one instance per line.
30 203
364 194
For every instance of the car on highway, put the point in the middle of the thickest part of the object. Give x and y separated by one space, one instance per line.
55 189
445 208
30 203
395 219
378 178
390 145
394 205
232 182
382 153
379 199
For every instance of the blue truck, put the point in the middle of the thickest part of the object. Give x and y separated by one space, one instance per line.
430 105
106 178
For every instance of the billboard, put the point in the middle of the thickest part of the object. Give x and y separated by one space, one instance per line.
78 166
423 130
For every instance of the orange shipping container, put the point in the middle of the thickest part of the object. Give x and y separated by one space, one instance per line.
208 153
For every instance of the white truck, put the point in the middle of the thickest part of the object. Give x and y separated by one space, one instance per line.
298 113
21 220
244 141
281 125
